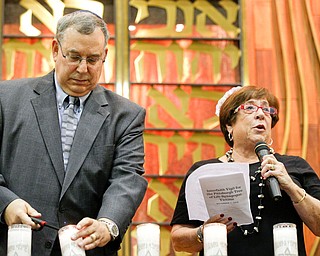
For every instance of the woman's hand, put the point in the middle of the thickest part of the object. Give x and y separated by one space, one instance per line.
306 206
185 237
219 218
272 167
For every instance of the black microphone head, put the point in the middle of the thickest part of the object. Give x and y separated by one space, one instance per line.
261 149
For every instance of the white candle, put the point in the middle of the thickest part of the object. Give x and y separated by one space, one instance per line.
285 239
68 246
19 240
148 239
215 239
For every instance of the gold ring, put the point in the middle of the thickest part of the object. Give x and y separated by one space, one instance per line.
93 237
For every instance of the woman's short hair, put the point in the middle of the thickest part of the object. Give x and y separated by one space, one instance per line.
227 115
85 22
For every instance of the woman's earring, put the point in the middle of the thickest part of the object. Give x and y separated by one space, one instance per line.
230 136
271 141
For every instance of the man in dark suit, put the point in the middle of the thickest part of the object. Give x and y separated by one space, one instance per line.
101 186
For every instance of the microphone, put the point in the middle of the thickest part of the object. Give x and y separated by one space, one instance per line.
261 150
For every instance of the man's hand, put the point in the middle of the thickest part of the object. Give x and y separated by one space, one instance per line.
18 212
94 233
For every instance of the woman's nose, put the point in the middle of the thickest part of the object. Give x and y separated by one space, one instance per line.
260 114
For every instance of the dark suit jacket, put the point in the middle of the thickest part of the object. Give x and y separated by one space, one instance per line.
103 178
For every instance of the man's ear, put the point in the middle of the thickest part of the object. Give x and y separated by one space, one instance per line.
55 49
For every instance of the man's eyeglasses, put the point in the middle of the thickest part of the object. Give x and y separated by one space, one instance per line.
250 108
76 59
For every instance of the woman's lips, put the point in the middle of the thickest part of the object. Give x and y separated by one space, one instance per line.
260 127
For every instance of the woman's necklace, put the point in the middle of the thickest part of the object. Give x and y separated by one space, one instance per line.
258 218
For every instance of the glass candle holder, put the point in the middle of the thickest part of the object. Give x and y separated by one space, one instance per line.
285 239
67 245
19 240
148 239
215 239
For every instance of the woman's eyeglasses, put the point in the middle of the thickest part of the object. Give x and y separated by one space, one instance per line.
250 108
76 59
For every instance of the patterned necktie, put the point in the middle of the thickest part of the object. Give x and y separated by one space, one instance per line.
68 127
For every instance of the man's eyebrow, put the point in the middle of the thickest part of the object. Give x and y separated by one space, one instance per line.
91 55
73 51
